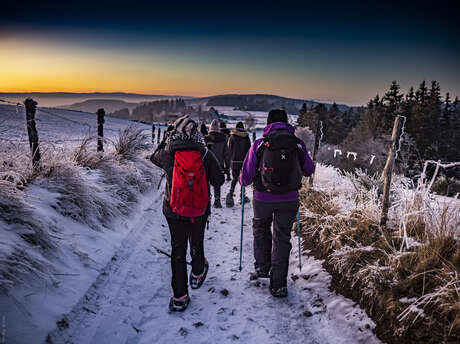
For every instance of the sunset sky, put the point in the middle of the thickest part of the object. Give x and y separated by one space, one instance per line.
345 53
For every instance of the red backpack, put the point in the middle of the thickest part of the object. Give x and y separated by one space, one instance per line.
189 191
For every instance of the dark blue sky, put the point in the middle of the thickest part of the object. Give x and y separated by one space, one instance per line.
348 51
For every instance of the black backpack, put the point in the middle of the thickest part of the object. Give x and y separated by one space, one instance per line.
279 161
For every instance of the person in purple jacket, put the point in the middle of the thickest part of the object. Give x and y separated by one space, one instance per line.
272 203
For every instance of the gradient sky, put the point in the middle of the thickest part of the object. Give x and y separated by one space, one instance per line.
340 52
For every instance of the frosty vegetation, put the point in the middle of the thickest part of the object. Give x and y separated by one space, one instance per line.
415 257
92 189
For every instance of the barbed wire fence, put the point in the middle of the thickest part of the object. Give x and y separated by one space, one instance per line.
25 122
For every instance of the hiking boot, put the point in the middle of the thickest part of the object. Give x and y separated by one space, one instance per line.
197 281
180 304
229 202
278 292
217 203
246 199
259 273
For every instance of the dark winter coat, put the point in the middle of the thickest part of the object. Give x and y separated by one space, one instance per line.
238 145
164 158
217 142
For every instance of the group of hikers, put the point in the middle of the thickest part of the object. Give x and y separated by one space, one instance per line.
194 159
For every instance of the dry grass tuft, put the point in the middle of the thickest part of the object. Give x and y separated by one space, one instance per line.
90 189
130 141
416 257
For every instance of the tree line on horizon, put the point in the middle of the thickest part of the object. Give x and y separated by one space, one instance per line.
156 111
431 128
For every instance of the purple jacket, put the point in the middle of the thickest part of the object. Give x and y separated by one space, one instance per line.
250 167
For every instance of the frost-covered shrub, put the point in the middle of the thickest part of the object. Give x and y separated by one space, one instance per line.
415 257
130 141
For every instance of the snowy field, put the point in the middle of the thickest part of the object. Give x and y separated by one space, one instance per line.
113 285
61 127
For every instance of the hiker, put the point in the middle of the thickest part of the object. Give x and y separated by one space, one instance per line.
203 129
275 165
238 145
189 167
226 132
153 132
217 143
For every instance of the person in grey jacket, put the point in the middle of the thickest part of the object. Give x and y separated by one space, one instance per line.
216 141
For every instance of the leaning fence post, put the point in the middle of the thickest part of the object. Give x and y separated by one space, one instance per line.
153 133
388 170
100 130
31 108
316 146
159 134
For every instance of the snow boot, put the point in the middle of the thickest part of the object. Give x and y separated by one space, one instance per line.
246 199
217 203
259 274
179 305
196 282
229 202
278 292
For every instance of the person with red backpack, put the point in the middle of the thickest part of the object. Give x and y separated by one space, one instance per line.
275 165
190 168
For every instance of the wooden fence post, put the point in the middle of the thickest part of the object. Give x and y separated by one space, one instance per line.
31 108
153 133
159 135
100 130
388 170
316 146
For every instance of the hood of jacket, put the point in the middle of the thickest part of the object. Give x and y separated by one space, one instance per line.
278 126
215 136
239 132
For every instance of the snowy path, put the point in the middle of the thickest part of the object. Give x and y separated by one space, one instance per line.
128 301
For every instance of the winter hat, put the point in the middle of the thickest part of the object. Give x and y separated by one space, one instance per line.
214 125
277 115
240 125
185 125
186 130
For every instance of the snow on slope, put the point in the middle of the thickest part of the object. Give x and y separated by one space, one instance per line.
57 126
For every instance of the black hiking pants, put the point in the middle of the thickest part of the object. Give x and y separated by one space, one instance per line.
236 169
183 231
216 193
271 251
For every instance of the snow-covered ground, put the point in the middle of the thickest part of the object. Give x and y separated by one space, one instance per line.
128 301
113 285
56 126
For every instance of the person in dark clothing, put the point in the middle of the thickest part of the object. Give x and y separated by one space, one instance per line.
226 131
271 251
216 141
184 136
238 145
203 129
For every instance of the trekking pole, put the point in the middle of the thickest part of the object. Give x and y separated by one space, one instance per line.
298 239
242 221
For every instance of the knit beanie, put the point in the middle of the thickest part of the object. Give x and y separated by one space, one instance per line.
214 125
277 115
